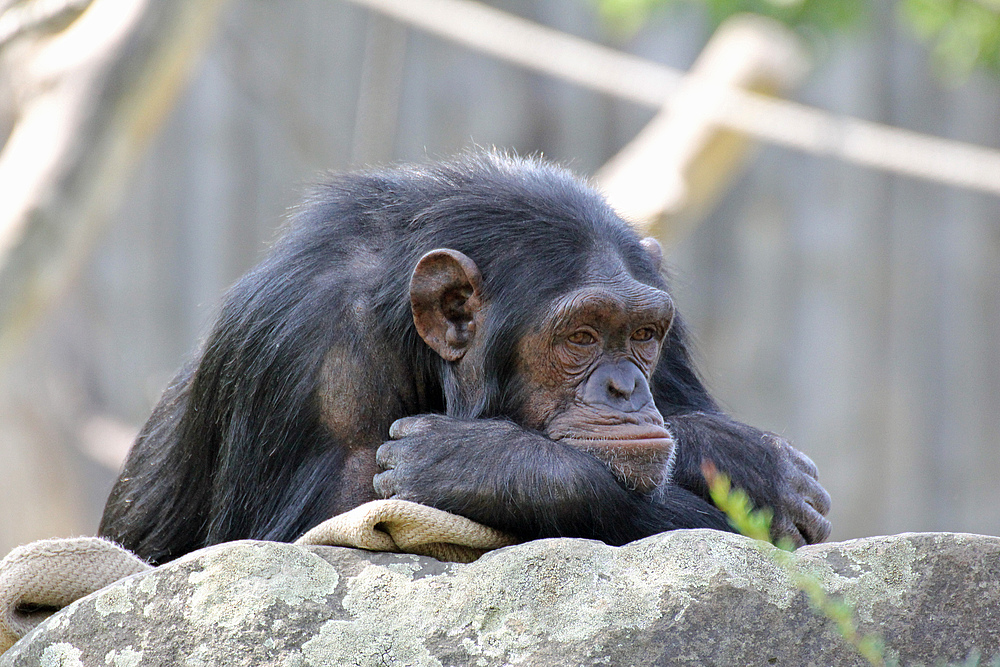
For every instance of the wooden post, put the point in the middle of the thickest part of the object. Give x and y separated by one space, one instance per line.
671 173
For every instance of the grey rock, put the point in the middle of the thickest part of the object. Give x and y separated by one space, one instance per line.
687 597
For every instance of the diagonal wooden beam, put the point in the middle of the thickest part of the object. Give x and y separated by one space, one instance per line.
797 126
674 169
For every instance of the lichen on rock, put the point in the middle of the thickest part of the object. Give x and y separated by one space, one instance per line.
688 596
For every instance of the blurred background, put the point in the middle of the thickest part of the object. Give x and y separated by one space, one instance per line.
152 149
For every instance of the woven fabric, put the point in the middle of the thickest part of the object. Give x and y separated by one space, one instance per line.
40 578
402 526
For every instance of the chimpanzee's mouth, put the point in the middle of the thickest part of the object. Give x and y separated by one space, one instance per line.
638 454
632 439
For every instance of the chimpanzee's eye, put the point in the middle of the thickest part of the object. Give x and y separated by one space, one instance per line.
582 338
644 335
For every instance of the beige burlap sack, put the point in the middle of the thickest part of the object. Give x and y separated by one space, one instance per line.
40 578
404 527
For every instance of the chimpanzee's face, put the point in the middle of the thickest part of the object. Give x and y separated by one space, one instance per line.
585 373
583 370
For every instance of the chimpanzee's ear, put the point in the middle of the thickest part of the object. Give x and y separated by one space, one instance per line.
446 299
654 250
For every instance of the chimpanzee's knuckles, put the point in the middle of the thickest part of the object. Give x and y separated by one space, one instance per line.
408 426
783 527
805 501
804 489
810 523
816 496
421 426
791 455
390 454
386 483
818 529
814 526
803 462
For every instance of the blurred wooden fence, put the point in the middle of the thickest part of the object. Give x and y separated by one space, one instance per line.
855 312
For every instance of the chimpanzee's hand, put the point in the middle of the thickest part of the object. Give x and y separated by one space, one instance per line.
799 513
772 472
437 460
497 473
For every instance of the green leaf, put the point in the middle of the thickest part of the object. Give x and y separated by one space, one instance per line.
962 35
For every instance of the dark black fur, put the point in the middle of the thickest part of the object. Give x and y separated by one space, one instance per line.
238 448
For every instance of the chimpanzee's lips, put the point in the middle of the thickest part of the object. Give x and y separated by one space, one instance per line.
635 438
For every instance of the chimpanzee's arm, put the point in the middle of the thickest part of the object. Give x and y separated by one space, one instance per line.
501 475
772 472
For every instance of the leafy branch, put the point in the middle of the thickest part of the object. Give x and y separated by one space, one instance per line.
757 524
961 34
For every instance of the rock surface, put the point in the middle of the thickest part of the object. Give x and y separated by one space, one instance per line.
687 597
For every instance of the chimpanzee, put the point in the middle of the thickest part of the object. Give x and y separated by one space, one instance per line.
483 335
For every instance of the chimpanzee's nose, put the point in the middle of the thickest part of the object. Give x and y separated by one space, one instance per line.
619 385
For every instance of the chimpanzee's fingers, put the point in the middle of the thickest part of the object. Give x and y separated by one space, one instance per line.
803 462
804 483
388 455
803 517
815 528
814 494
404 427
784 527
812 525
798 459
385 483
410 426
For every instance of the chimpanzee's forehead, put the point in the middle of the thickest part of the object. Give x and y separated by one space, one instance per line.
607 266
608 289
626 298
